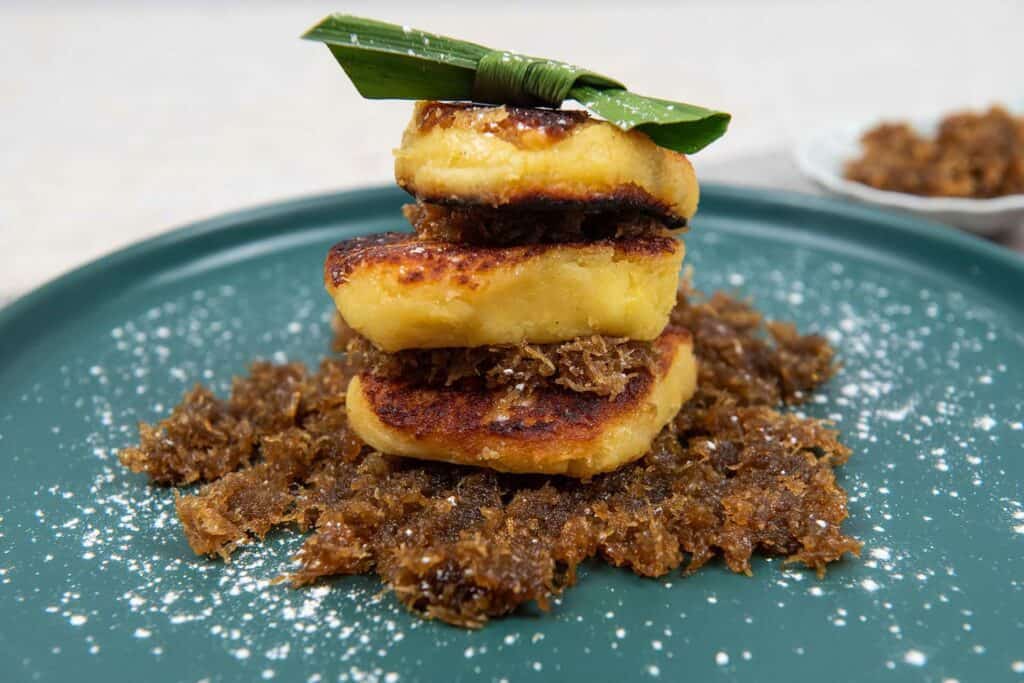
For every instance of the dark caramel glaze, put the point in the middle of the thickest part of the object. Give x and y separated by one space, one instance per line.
625 198
516 121
424 260
552 412
508 227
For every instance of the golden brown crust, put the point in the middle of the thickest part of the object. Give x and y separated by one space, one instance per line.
423 260
520 126
425 411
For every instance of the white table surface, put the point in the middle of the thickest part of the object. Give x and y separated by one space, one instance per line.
124 119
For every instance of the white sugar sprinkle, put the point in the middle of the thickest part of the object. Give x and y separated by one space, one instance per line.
914 658
985 423
881 554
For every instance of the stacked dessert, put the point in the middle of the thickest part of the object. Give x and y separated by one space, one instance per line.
530 324
524 325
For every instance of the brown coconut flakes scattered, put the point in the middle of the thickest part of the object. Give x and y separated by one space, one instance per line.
730 476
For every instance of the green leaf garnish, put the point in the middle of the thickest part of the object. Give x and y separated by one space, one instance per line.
682 127
387 61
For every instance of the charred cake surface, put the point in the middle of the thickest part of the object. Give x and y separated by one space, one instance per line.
518 125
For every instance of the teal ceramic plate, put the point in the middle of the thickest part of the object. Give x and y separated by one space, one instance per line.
97 582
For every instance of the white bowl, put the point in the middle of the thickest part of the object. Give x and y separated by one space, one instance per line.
821 156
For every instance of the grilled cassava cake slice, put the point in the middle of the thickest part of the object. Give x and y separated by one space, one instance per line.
402 293
540 158
552 430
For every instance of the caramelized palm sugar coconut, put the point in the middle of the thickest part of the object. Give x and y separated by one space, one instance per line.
978 155
730 476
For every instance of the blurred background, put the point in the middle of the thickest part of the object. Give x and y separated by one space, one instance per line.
124 119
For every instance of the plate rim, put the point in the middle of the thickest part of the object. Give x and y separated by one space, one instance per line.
18 314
